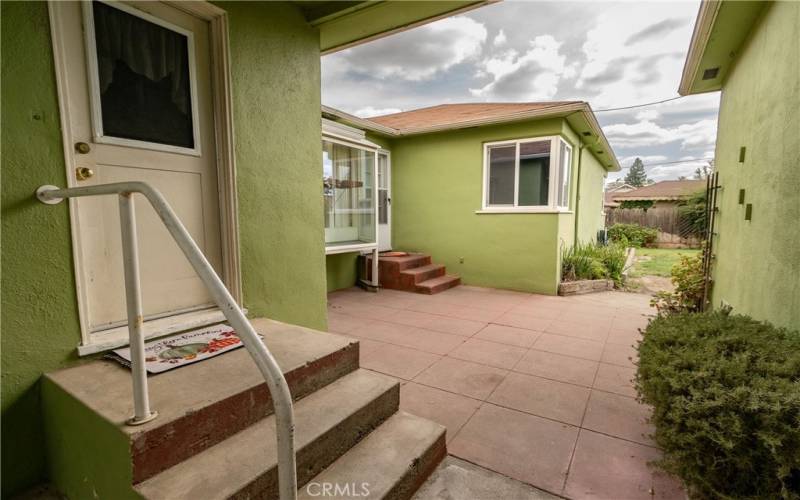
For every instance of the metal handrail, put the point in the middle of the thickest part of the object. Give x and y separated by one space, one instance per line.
278 388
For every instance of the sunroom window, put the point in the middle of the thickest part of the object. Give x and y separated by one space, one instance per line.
348 179
527 175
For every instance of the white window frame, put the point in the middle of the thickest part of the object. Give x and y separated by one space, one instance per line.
369 148
553 186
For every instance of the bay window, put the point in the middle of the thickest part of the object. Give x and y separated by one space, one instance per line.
348 180
527 175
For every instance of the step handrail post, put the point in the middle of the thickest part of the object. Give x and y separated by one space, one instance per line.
133 299
272 373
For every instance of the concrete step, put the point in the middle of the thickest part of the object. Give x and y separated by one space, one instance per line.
199 405
327 424
436 285
412 277
391 463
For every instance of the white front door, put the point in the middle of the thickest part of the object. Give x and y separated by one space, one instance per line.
384 201
137 83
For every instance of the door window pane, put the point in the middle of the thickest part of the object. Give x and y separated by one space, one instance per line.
347 177
534 173
143 72
501 175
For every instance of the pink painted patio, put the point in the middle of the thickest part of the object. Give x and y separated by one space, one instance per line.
537 388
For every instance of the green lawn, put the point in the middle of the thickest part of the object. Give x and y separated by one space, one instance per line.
660 260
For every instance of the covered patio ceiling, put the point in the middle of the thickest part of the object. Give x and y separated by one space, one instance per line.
348 23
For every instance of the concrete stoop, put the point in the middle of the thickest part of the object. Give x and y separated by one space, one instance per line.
215 433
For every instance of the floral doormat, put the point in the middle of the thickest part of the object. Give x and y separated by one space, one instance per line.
182 349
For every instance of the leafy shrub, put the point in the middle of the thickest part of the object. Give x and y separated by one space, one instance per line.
632 235
692 215
689 281
586 261
726 398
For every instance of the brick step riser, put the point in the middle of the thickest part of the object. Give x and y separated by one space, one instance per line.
441 287
321 453
159 448
409 281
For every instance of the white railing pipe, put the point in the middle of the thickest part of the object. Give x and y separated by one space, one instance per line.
278 388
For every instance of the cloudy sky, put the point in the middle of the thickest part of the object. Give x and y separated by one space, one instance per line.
609 54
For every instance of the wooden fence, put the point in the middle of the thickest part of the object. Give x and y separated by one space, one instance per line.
671 233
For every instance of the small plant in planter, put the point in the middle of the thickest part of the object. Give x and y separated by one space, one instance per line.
590 261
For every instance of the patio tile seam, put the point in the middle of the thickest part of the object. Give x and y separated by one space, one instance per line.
509 477
412 348
580 428
621 438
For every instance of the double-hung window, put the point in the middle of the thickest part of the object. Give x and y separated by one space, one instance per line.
527 175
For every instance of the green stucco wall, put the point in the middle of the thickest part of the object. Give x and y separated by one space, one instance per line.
341 270
39 316
590 202
276 94
436 190
758 261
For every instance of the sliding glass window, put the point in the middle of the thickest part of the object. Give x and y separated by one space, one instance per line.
527 175
348 180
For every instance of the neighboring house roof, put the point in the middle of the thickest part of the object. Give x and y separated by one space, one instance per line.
720 29
612 191
664 190
451 115
458 116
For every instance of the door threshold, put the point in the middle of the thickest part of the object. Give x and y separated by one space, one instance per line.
113 338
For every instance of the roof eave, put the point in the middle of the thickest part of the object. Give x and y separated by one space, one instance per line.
703 25
721 28
606 157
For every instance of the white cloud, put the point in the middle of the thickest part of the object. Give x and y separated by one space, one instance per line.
531 76
370 111
646 159
500 39
417 54
649 114
647 133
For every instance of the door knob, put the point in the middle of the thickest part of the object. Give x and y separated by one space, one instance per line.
82 148
83 173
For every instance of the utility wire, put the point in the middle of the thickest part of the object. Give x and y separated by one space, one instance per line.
690 160
640 105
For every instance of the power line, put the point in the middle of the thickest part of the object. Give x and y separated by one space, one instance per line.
690 160
640 105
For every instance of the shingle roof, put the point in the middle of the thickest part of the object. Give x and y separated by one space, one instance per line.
664 190
453 114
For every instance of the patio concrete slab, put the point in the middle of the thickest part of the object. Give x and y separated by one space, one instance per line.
462 377
508 335
618 416
616 379
570 346
457 479
523 321
620 355
397 361
588 331
488 353
447 409
516 379
558 367
540 396
609 468
522 446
